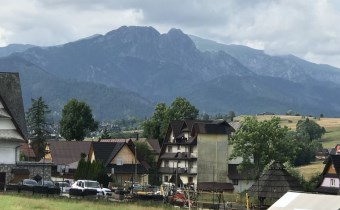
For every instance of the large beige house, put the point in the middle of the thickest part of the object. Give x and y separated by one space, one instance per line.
196 153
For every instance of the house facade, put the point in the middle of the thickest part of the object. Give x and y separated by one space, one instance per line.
195 152
329 180
12 124
64 156
121 160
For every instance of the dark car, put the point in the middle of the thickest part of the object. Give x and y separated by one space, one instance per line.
48 187
27 184
46 183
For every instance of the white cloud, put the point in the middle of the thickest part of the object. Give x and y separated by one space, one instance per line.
305 28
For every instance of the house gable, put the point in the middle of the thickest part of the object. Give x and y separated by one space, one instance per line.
124 156
11 100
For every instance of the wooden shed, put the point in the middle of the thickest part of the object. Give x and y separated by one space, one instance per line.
274 183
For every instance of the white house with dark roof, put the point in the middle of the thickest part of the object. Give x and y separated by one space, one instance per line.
12 124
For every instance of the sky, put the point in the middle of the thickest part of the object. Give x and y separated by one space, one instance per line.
308 29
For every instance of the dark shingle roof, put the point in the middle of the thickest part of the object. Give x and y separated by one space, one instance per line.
216 127
10 94
154 143
274 183
66 152
336 162
103 150
114 152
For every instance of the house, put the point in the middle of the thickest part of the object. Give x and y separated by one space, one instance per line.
12 124
65 155
121 161
329 179
196 153
153 144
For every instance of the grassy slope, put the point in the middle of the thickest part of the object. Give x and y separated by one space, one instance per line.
19 202
329 140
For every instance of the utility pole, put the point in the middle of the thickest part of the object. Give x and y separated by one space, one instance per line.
135 162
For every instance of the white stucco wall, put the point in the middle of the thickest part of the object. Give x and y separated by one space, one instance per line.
9 150
8 154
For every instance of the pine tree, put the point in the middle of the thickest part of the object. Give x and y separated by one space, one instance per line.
38 125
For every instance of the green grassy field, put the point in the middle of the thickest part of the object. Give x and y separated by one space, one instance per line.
21 202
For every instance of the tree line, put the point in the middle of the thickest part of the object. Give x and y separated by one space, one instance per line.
257 142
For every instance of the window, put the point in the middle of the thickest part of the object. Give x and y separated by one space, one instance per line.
178 147
166 178
332 183
166 163
190 179
169 149
235 181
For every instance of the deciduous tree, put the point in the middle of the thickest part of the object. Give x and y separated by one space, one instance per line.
155 127
76 120
260 142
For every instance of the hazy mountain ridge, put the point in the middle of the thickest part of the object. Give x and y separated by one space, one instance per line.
119 73
105 102
287 66
13 48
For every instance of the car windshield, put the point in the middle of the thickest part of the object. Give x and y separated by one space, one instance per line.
47 183
64 184
92 184
29 182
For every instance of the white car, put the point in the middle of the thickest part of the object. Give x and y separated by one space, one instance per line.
92 185
64 186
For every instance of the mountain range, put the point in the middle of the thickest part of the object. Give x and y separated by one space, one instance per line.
126 71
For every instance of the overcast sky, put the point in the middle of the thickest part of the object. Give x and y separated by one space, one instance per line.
306 28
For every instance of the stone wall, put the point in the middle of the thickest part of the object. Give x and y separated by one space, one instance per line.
34 168
7 168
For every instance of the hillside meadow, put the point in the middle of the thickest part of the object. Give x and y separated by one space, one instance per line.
328 140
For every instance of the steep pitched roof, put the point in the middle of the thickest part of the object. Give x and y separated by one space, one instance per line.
103 150
154 143
11 97
215 127
274 183
66 152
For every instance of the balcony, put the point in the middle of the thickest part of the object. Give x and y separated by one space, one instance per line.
193 155
192 171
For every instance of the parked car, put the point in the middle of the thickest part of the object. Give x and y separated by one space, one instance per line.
46 183
86 187
28 182
46 186
27 185
64 186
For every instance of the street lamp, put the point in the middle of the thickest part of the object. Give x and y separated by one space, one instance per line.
62 171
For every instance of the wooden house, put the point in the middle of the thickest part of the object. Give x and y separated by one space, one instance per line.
121 160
